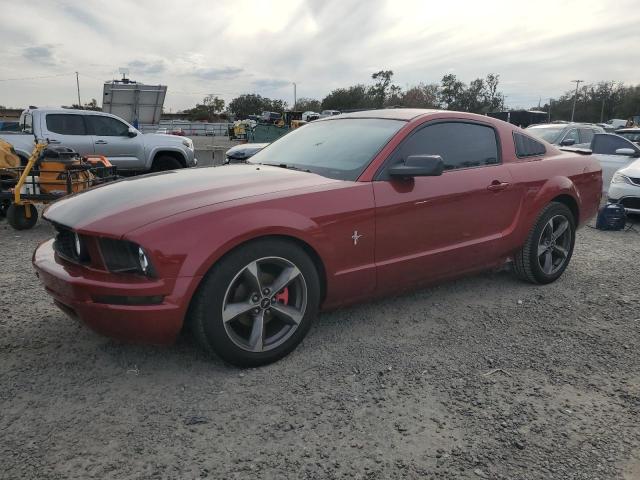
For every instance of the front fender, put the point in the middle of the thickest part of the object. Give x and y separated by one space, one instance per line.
155 150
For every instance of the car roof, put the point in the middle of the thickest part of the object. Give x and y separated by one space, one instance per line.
387 113
628 130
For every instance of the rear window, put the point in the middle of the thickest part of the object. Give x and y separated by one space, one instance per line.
65 124
527 146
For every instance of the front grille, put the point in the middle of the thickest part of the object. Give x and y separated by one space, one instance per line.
631 202
119 255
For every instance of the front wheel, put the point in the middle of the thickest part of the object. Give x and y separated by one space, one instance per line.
164 163
257 304
17 216
549 246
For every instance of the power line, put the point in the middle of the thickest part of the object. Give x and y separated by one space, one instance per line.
35 78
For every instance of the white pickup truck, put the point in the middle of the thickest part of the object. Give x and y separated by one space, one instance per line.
97 133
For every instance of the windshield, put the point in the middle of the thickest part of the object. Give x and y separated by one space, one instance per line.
549 134
631 136
339 149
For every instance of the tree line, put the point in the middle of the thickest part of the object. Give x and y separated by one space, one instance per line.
595 102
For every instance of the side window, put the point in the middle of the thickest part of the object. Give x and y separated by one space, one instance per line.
107 126
571 135
27 123
461 145
527 146
586 135
66 124
607 144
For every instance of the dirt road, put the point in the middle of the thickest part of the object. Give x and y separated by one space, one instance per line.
485 377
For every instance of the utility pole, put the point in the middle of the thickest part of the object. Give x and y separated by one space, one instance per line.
294 96
602 111
549 110
575 97
78 85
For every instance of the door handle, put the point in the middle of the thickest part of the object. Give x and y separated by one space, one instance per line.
100 142
497 186
53 141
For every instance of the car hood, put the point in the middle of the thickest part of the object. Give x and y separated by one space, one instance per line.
631 170
162 139
117 208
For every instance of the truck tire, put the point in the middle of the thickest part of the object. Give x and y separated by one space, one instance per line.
549 246
165 162
257 303
17 218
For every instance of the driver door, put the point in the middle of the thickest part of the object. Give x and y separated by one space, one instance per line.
111 138
435 227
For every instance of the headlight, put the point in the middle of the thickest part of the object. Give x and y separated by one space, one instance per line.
620 178
77 245
187 143
143 261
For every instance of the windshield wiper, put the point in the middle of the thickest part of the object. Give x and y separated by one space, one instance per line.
287 166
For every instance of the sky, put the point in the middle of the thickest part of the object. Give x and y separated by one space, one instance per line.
228 48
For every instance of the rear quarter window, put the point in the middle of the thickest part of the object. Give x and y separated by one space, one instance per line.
527 146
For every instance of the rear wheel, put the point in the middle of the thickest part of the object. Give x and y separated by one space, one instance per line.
549 246
17 216
257 303
164 163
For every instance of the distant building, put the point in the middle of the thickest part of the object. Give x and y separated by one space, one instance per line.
522 118
10 114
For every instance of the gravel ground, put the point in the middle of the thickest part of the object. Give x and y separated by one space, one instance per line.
485 377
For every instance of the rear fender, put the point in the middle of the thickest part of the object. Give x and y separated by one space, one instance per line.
535 201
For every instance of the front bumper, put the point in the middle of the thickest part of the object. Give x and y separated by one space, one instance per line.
625 194
75 289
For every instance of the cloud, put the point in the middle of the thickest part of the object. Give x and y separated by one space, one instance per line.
147 67
270 83
43 54
213 73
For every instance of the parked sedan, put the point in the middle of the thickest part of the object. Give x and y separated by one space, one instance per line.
346 209
565 134
241 153
625 187
631 134
613 152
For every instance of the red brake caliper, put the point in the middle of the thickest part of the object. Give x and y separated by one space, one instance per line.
283 296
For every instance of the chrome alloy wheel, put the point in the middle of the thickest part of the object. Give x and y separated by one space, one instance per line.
264 304
554 244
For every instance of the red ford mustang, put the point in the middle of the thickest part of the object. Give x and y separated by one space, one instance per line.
341 210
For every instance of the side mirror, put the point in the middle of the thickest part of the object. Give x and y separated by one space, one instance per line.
418 166
567 142
132 132
625 151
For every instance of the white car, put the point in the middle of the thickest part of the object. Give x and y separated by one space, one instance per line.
625 187
613 152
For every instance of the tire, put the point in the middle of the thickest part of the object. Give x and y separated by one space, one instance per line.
16 216
4 206
548 248
165 162
285 315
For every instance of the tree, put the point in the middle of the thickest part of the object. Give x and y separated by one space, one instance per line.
354 97
207 111
383 84
308 105
421 96
92 105
451 92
